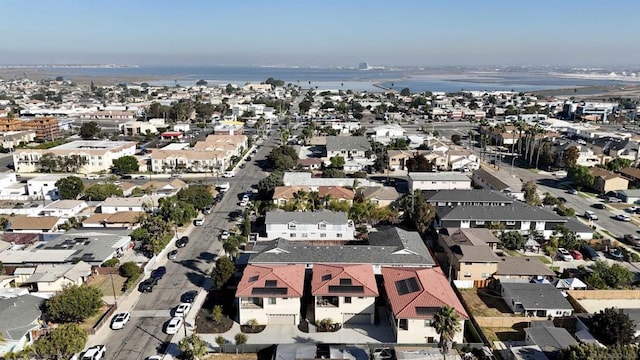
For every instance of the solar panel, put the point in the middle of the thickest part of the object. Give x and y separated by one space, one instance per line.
343 289
271 283
407 286
346 282
326 277
269 291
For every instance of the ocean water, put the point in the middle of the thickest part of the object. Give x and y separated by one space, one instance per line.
339 78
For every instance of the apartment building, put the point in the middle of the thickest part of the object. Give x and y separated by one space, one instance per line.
46 128
89 156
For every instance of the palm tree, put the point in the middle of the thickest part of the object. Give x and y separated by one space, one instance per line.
446 323
231 247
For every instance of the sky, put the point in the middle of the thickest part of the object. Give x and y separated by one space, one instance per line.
320 32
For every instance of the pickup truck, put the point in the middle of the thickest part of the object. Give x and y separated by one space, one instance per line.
94 353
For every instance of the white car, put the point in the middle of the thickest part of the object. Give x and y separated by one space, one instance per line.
182 309
631 209
564 255
93 177
228 174
224 235
173 325
120 320
154 357
590 215
244 203
622 217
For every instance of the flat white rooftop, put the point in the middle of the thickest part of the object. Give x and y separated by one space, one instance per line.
94 145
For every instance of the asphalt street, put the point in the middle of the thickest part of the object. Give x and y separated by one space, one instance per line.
144 335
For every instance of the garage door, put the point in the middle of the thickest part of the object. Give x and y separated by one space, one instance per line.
280 319
357 318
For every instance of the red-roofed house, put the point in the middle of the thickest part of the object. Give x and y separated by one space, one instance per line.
338 193
415 295
344 293
270 294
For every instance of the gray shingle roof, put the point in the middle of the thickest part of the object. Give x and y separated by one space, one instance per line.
306 217
550 339
439 176
18 314
337 143
537 296
514 212
390 247
481 196
522 266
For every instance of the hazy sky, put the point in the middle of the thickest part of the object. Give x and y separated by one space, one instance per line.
321 32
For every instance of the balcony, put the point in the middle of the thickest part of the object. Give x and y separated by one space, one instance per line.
250 305
328 301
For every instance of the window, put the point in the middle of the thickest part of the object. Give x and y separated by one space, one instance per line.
511 222
403 324
322 226
427 323
304 235
292 226
272 301
479 222
292 235
467 275
347 299
323 235
339 235
559 313
468 263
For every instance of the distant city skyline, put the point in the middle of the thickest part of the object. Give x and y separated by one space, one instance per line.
320 33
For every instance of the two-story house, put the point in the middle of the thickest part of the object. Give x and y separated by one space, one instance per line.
309 225
270 294
344 293
414 296
448 180
471 254
498 180
348 147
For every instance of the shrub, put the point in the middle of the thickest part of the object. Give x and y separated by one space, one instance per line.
111 263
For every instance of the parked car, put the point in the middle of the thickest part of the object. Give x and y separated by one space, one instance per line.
175 176
616 254
631 209
182 242
173 325
147 285
90 177
589 252
612 199
126 177
622 217
228 174
120 320
182 309
563 254
600 206
141 177
159 272
576 254
572 191
590 215
632 239
208 209
562 200
94 353
224 235
189 296
173 254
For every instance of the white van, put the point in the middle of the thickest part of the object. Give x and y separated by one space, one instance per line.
199 221
228 174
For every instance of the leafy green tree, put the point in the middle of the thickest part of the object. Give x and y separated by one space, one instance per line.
176 211
240 339
512 240
70 187
581 176
266 185
455 138
74 303
570 156
99 192
446 323
604 276
337 162
202 82
549 199
197 195
530 190
157 110
333 173
126 164
129 269
192 347
61 343
419 163
223 271
216 314
399 144
418 212
612 326
584 351
89 130
283 157
140 234
405 92
220 341
618 163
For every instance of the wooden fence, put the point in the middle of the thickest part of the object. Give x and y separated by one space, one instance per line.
604 294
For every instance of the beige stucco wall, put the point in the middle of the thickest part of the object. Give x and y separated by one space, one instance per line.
283 306
418 333
364 305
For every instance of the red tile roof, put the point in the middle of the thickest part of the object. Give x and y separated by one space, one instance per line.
286 278
429 289
336 192
326 276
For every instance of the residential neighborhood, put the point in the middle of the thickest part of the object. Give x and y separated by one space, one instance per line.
473 224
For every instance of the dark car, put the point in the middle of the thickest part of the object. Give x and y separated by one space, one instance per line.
600 206
182 242
126 177
189 296
147 285
172 255
562 200
589 252
159 272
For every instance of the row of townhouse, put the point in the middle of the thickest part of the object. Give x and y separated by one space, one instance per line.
443 157
345 289
381 196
